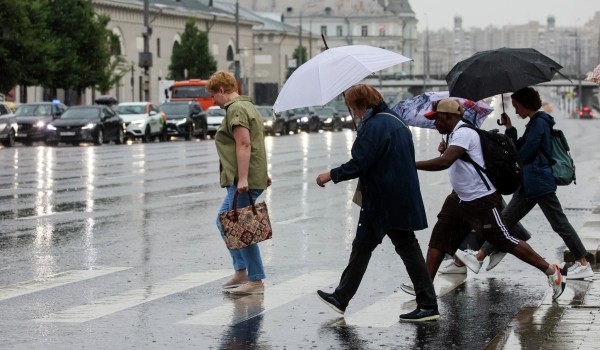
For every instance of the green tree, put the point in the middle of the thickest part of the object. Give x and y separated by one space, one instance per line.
17 43
75 49
192 54
116 69
296 56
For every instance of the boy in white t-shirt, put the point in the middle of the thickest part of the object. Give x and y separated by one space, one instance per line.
471 205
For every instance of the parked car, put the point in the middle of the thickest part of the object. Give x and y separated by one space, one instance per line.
8 125
97 124
586 113
329 118
185 119
268 119
340 106
286 122
32 119
214 118
143 120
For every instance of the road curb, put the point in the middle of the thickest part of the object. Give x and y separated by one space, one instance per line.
589 234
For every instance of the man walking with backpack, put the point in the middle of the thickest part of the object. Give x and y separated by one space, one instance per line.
539 183
474 202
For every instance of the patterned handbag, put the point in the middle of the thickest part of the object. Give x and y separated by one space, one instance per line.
247 225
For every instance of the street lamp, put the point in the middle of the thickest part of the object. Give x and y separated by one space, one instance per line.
290 9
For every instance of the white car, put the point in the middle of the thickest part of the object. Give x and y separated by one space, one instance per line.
214 118
143 120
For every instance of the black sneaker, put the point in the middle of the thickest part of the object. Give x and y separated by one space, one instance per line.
420 315
332 302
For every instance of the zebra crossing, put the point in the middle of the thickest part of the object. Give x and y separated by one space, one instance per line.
230 312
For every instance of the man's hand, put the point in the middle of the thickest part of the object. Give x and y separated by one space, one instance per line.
505 119
324 178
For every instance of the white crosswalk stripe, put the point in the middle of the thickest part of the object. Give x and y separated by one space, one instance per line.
274 297
119 302
56 280
385 312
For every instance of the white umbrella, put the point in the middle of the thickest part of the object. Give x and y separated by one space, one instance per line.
331 72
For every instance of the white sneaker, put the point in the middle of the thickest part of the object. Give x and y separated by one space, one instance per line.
452 268
578 271
495 259
408 288
469 258
557 282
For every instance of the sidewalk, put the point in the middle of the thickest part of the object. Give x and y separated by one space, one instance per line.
570 323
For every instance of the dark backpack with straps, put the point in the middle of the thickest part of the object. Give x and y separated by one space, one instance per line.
502 164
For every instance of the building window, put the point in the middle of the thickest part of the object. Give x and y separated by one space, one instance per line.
339 31
157 47
324 30
364 31
381 29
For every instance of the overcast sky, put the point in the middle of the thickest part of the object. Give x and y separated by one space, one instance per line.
481 13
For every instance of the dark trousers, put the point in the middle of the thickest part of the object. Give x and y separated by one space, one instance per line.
407 246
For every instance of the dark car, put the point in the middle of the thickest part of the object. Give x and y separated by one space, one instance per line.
8 125
268 119
586 113
97 124
307 120
32 119
185 119
286 122
329 118
340 106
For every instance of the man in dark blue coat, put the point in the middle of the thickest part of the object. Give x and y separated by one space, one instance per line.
383 159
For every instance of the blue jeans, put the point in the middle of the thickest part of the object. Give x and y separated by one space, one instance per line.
246 258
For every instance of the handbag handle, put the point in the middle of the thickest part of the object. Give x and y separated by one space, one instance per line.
235 197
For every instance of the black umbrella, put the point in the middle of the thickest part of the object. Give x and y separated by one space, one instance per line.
106 100
493 72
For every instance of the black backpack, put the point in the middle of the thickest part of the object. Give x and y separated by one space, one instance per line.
502 164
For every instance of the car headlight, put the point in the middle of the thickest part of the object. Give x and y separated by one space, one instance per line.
89 126
328 120
40 124
181 121
348 118
50 127
304 119
2 126
269 123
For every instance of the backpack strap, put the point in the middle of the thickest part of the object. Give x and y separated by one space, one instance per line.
467 158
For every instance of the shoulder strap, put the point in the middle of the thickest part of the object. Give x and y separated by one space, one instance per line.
400 120
467 158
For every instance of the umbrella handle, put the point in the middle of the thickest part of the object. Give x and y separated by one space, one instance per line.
503 111
324 41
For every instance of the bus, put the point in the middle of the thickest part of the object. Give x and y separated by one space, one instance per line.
191 90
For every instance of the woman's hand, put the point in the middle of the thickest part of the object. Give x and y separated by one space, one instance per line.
324 178
242 186
269 181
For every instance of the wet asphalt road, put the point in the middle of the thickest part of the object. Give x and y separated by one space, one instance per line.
115 247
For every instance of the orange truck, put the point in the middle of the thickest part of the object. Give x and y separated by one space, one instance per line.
191 90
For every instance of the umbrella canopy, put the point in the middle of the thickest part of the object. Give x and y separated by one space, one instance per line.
106 100
412 110
331 72
594 76
493 72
